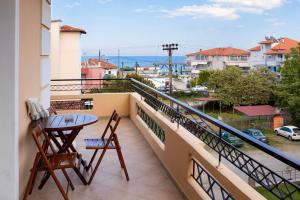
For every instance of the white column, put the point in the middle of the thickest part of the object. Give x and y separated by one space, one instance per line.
9 66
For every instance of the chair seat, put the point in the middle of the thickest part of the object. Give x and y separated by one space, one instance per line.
98 144
60 161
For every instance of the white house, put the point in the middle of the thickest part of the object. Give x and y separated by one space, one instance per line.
271 52
218 58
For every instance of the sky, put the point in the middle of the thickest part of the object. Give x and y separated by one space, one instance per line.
140 27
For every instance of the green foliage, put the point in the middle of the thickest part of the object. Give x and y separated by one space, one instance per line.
235 88
202 79
186 95
140 79
288 91
127 69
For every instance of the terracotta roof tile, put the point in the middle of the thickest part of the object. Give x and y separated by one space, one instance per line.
284 47
67 28
95 62
266 42
227 51
257 48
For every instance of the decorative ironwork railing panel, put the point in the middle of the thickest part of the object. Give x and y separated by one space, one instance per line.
208 183
157 130
276 184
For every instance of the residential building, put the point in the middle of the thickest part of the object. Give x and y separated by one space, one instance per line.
218 59
170 155
65 51
100 68
271 52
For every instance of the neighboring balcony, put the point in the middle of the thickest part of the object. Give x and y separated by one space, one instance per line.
169 154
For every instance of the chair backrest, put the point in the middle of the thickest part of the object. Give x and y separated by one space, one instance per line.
42 141
112 124
52 111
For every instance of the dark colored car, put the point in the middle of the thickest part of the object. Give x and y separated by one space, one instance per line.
257 134
233 140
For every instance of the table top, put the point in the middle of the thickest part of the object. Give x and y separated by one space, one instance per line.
68 121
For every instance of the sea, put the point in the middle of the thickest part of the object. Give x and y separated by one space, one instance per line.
143 61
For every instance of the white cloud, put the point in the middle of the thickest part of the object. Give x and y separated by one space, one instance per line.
104 1
72 5
252 6
224 9
201 11
275 22
151 9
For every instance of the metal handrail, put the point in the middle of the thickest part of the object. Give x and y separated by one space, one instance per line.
279 155
256 143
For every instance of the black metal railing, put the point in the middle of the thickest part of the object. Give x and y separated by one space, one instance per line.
91 85
270 180
156 129
212 187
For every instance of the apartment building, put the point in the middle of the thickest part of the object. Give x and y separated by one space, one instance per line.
271 52
218 59
65 51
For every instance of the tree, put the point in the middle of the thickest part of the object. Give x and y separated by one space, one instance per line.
288 91
202 78
233 87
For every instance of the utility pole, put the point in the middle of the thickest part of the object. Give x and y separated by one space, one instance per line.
170 48
119 61
122 69
136 67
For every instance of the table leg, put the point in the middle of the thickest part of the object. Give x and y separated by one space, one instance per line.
67 143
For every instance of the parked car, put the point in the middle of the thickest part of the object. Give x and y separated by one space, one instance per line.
291 132
233 140
257 134
199 88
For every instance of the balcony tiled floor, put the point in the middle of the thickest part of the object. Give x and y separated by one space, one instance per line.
148 178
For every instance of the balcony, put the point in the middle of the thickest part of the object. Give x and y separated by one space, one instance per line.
109 182
169 155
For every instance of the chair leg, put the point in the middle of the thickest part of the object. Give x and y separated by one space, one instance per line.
61 189
97 165
68 179
92 160
31 179
121 158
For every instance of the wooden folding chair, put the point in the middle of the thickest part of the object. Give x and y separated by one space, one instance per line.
52 111
105 143
49 162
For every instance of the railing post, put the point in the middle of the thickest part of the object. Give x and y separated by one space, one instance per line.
220 155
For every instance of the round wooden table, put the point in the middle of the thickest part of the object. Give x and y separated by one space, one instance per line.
66 127
65 122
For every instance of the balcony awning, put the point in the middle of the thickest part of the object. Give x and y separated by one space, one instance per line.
195 71
199 62
240 64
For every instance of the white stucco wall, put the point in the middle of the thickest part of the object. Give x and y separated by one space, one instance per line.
70 58
55 49
9 58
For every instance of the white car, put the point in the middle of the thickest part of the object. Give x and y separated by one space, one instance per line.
291 132
199 88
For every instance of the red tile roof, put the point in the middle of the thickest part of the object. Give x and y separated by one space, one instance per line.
95 62
284 47
266 42
261 110
227 51
257 48
67 28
